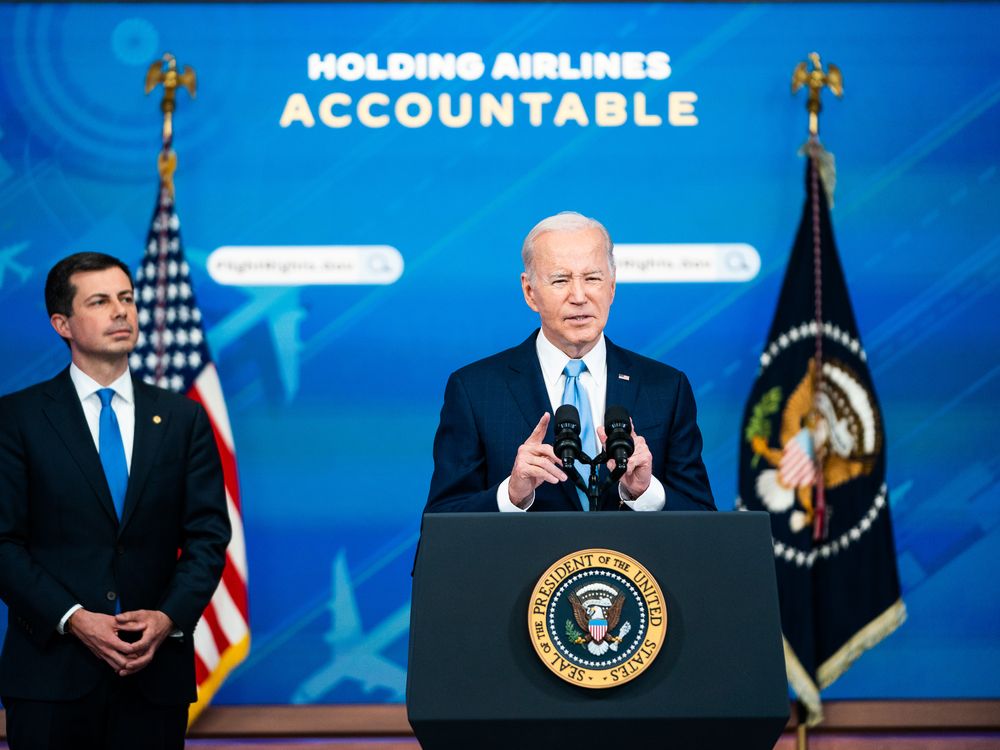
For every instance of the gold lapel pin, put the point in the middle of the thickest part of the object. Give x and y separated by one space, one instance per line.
157 419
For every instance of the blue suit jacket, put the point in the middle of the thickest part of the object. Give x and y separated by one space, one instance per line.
491 406
61 542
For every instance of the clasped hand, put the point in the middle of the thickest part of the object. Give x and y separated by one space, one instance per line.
100 634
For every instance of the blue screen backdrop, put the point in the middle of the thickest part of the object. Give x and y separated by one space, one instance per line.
334 389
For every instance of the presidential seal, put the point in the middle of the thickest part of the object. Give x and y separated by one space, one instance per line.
597 618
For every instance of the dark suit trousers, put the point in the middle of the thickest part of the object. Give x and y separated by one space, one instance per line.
114 716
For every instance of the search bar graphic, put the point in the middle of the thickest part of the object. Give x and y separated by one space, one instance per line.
305 265
673 263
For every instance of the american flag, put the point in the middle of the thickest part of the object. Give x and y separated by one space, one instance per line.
172 353
797 467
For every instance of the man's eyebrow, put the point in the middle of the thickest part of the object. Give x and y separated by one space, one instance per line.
566 274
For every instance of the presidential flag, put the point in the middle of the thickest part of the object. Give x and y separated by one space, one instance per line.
812 454
172 353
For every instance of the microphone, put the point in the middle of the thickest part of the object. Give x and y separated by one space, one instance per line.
618 428
567 431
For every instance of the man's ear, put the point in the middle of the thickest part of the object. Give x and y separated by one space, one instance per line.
60 323
529 292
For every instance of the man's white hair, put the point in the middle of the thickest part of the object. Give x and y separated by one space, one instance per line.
564 221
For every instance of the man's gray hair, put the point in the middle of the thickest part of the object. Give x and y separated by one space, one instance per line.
564 221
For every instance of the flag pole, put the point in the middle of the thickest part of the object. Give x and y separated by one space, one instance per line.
172 352
164 71
802 736
816 80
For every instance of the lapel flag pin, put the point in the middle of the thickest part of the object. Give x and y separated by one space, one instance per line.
156 419
622 376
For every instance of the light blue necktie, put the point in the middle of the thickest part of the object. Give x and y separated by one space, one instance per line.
112 450
574 393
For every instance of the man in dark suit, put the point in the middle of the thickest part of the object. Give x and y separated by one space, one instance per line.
493 446
113 533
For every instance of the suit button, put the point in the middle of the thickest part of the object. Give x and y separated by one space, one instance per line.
111 596
120 549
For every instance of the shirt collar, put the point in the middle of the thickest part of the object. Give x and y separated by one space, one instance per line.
86 386
553 360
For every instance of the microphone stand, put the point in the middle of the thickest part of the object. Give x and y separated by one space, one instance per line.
594 488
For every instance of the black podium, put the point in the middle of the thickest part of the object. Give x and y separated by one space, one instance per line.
475 681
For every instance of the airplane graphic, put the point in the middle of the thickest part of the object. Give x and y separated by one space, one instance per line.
283 311
7 261
356 655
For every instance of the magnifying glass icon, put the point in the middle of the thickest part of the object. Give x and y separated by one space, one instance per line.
736 262
380 264
377 263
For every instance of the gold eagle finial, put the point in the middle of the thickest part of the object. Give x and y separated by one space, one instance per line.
816 79
164 71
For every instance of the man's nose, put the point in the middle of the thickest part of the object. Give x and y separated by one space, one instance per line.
577 290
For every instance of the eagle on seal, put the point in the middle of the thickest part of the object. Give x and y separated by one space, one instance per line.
597 619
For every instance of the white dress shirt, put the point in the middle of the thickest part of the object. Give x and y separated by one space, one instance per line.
123 403
594 380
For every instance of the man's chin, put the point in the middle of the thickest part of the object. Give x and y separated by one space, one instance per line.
587 334
581 339
119 349
122 343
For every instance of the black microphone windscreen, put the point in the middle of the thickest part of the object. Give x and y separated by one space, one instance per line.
618 429
567 417
616 417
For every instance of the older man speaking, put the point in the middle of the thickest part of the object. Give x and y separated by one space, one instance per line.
493 446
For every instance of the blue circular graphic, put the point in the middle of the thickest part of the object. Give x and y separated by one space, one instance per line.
135 41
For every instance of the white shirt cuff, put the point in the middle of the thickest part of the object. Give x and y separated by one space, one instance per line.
61 627
503 499
654 498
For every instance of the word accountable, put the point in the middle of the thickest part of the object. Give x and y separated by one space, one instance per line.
376 109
